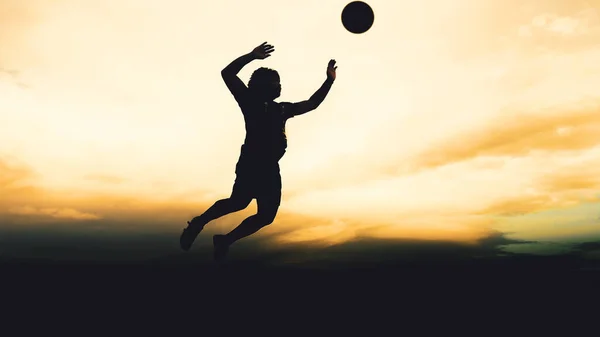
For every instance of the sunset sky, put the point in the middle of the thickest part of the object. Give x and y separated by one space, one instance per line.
449 120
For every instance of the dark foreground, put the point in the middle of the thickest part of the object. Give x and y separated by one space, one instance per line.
324 300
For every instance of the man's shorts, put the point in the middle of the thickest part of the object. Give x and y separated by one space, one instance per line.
258 179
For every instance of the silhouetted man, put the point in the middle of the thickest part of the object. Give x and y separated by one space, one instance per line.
257 170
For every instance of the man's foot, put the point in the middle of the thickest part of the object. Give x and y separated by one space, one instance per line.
221 247
189 235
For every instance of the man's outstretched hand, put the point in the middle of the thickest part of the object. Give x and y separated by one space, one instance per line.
331 68
263 51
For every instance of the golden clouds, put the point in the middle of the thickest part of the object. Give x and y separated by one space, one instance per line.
20 196
16 183
583 22
582 178
12 173
515 134
324 232
291 227
558 153
515 164
61 213
519 205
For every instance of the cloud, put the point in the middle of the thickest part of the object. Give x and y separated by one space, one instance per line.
574 182
12 173
561 33
520 205
586 250
8 72
12 76
294 228
18 192
322 230
62 213
374 252
580 176
25 203
559 25
496 239
518 134
588 246
510 133
485 28
17 183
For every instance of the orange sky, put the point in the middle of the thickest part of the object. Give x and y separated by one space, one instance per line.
449 119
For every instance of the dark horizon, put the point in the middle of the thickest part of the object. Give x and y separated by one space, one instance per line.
158 248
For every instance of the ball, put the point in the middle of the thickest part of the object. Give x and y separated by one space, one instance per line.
357 17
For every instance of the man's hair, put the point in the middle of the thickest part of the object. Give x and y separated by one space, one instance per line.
261 77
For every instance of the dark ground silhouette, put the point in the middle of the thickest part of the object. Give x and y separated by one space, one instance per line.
360 288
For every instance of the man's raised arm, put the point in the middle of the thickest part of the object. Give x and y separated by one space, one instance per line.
319 96
229 73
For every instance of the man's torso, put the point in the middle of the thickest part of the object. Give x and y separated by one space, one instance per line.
265 140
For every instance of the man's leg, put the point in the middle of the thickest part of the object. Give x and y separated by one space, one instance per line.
238 200
268 204
219 209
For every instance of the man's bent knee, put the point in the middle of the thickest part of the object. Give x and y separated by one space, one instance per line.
266 219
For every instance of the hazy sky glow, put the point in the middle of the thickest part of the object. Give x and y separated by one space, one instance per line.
449 119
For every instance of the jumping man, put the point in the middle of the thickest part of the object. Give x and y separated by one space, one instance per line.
257 170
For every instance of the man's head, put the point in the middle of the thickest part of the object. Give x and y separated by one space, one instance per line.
265 83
